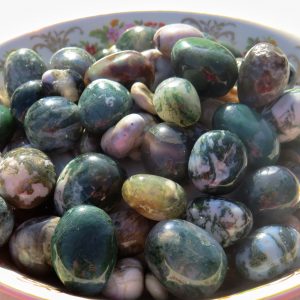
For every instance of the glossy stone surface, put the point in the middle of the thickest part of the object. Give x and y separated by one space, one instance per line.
30 245
185 259
138 38
21 66
84 249
126 281
217 162
7 125
53 123
209 66
131 231
227 221
127 135
284 115
155 288
65 83
163 68
7 222
102 104
258 136
166 37
154 197
268 252
165 151
176 100
74 58
125 67
292 76
263 75
271 191
90 178
24 96
27 177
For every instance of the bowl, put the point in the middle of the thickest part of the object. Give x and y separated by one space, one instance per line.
102 31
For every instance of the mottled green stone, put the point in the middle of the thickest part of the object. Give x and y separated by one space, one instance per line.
7 125
21 66
154 197
176 100
268 252
53 123
102 104
185 259
90 178
137 38
209 66
258 136
7 222
84 249
226 220
217 162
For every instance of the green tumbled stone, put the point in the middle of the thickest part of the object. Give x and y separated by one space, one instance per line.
84 249
176 100
185 259
7 125
209 66
7 222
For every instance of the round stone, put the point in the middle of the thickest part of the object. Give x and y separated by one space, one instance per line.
7 222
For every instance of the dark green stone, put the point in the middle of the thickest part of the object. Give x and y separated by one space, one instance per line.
24 96
209 66
185 259
53 123
137 38
7 125
21 66
102 104
7 222
90 178
84 249
256 133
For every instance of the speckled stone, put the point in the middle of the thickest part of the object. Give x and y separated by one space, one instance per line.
7 222
227 221
217 162
21 66
258 136
53 123
84 249
209 66
284 115
102 104
74 58
268 252
138 38
24 96
125 67
271 191
90 178
263 75
176 100
165 151
27 177
154 197
65 83
30 245
185 259
7 125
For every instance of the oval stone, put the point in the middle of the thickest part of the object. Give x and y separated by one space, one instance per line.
156 198
176 100
209 66
90 178
217 162
258 136
21 66
227 221
263 75
102 104
185 259
84 249
268 252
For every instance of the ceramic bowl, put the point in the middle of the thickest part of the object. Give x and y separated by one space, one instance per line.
94 33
